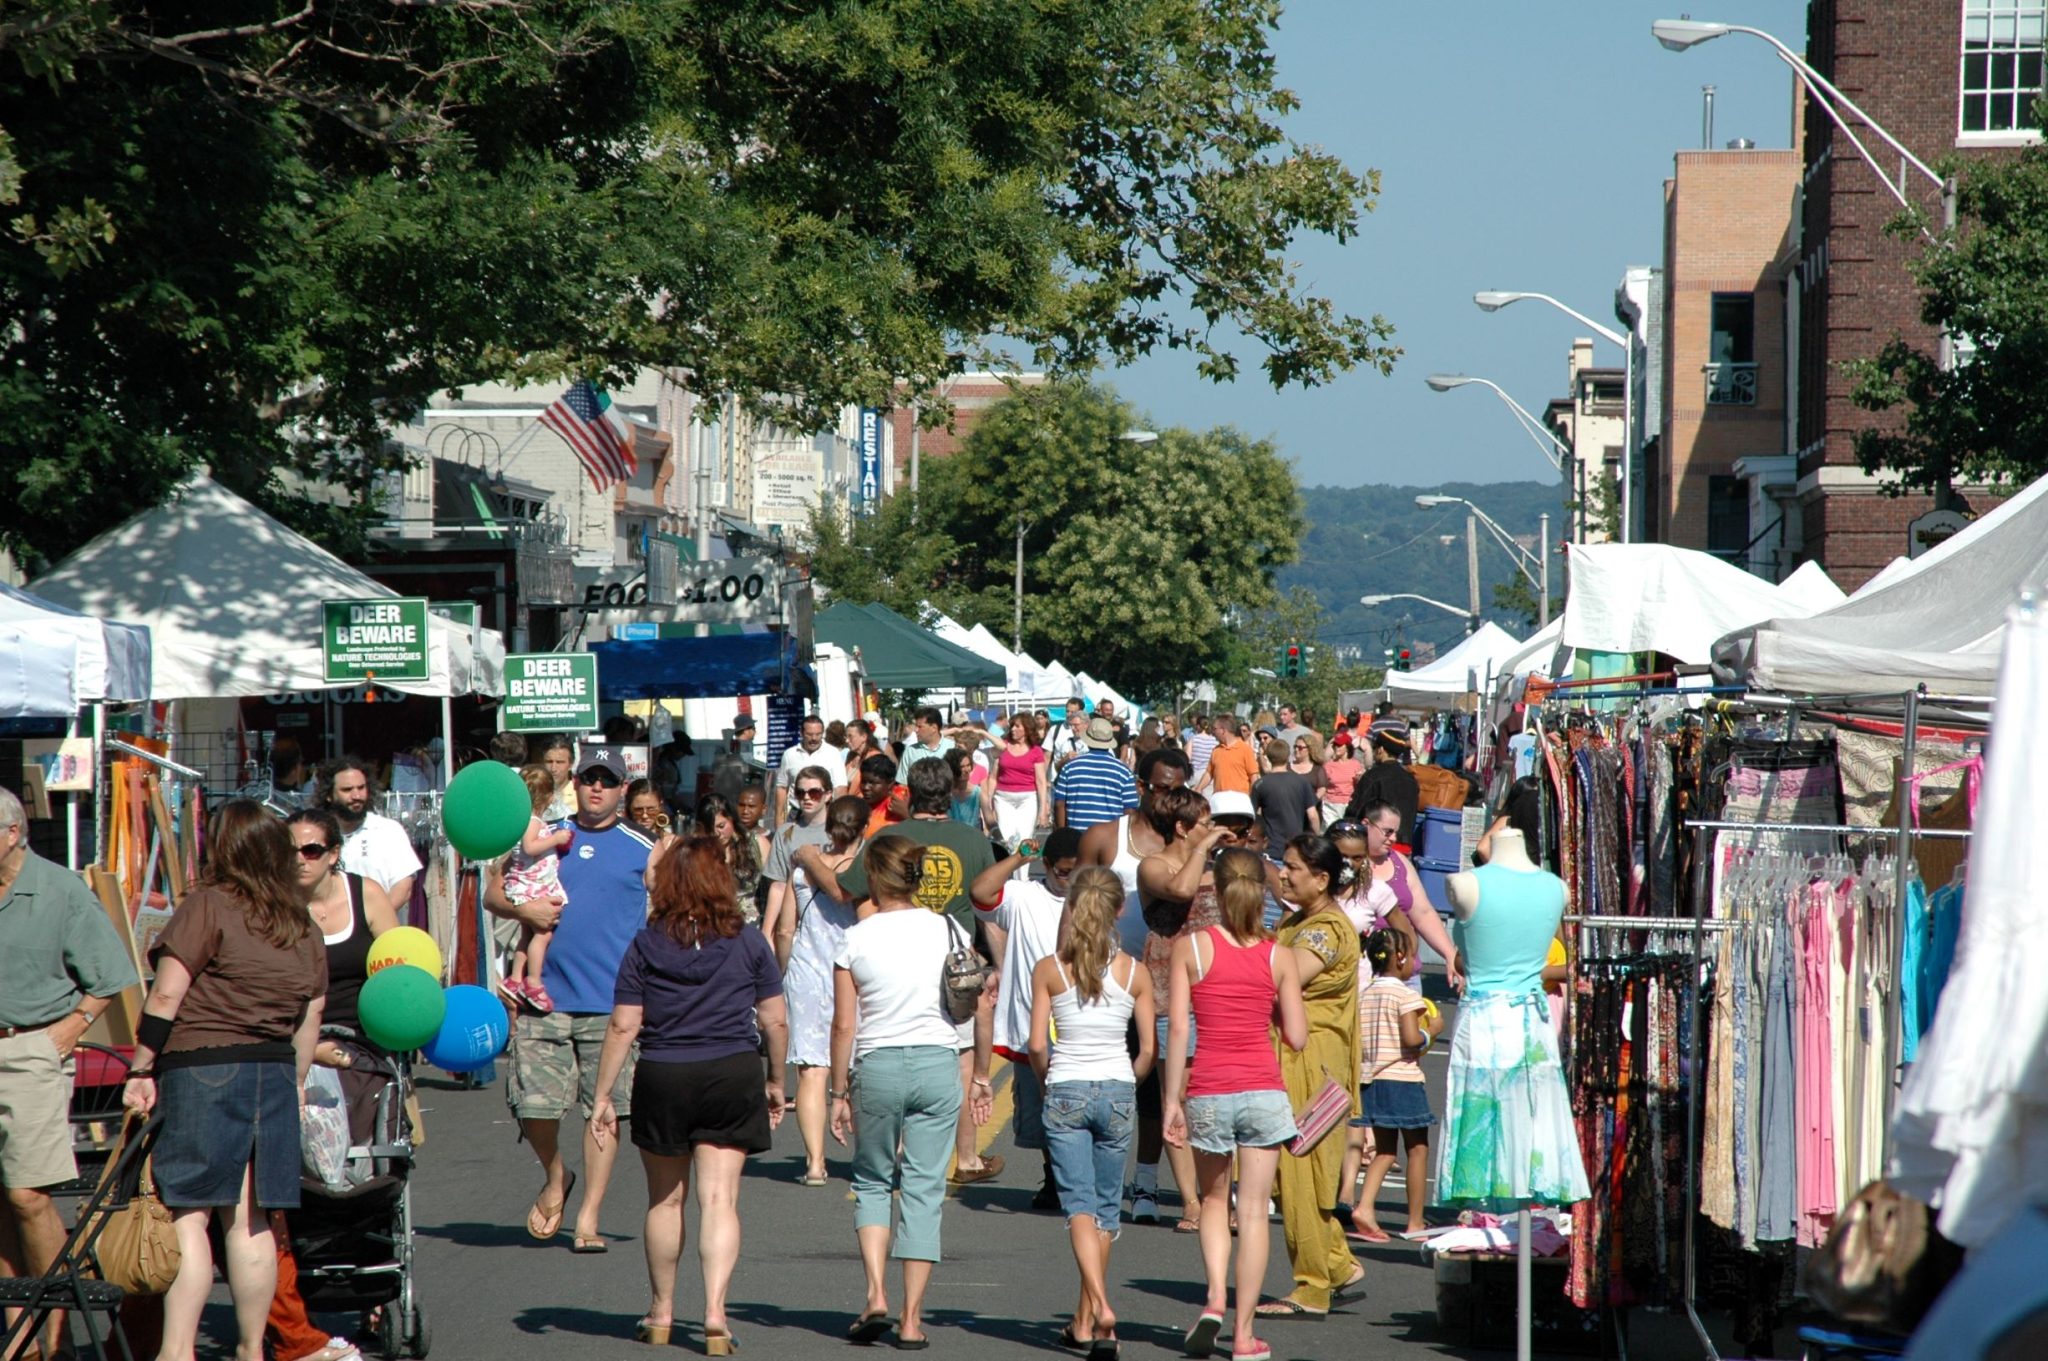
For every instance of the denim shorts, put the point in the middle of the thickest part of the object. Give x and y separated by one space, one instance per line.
218 1119
1226 1122
1088 1132
1394 1105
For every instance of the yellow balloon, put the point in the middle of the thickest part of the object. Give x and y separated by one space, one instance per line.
406 945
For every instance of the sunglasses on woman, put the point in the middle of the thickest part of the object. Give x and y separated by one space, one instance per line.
809 792
313 850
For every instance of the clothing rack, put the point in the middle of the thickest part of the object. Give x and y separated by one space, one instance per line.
1701 925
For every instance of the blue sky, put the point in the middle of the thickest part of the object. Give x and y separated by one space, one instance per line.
1522 144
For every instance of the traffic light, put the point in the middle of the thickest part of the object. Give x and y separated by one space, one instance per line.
1291 665
1403 661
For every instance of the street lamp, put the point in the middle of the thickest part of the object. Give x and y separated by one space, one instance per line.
1471 617
1680 34
1534 567
1492 300
1554 449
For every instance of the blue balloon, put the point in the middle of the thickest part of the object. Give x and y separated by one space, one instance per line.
472 1033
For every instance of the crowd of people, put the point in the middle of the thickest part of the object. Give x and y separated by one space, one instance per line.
1174 937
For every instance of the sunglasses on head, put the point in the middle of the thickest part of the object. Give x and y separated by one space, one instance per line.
1347 828
599 779
313 850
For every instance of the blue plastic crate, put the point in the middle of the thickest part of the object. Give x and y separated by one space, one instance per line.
1433 873
1439 833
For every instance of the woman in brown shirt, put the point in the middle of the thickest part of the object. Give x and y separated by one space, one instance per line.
224 1043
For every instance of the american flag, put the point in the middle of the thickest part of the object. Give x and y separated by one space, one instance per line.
578 416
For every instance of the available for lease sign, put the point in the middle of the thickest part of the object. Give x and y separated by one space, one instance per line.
550 692
381 641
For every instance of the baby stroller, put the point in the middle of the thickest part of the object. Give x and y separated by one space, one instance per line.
354 1243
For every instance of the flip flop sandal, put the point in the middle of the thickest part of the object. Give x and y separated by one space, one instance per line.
1259 1352
808 1180
1368 1235
1072 1343
543 1222
1103 1349
1289 1308
1186 1225
1201 1339
653 1334
868 1329
718 1342
590 1246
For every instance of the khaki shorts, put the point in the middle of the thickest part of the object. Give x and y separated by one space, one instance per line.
35 1113
554 1065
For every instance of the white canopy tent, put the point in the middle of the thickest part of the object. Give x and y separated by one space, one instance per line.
53 660
1479 655
1028 680
1539 656
1938 619
1645 597
231 599
1095 691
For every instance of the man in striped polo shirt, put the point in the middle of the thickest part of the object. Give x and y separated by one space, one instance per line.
1095 786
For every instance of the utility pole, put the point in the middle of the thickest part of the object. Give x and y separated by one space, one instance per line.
915 433
1543 570
1472 567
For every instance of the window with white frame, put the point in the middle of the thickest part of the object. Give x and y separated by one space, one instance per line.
2002 47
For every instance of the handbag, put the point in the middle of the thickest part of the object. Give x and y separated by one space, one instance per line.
1883 1263
1323 1113
964 977
136 1247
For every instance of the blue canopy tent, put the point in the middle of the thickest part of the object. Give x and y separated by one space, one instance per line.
698 668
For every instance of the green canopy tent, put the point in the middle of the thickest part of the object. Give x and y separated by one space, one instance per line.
898 655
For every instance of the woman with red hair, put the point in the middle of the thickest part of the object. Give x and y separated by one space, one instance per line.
700 993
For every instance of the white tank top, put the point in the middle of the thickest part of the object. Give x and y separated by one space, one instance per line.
1091 1045
1130 923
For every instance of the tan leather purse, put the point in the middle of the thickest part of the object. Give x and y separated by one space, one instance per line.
137 1244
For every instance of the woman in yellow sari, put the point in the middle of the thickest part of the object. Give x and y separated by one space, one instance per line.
1325 946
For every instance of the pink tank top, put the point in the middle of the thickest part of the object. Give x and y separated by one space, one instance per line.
1233 1006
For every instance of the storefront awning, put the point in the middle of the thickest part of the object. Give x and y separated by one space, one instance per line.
692 668
898 655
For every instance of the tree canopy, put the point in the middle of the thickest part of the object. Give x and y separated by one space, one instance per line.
1136 555
256 233
1985 419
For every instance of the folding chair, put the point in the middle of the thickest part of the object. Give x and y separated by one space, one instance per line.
72 1281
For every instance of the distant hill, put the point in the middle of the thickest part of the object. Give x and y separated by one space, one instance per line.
1374 540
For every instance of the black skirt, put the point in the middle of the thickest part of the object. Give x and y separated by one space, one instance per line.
722 1102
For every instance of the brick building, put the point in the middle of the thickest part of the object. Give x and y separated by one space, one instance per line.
1719 464
1942 76
971 394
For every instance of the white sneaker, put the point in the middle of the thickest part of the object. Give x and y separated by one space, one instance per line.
1144 1206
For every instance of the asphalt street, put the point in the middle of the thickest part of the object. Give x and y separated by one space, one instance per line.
1006 1285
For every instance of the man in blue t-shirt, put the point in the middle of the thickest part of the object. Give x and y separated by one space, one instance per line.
604 874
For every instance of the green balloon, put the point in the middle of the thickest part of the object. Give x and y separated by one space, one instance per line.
401 1007
486 810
